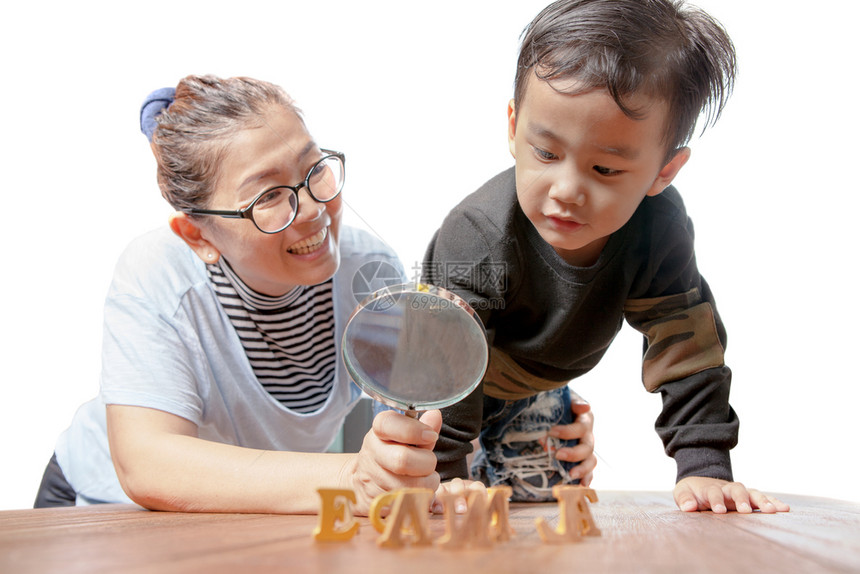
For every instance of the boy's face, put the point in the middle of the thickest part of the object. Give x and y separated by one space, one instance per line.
583 166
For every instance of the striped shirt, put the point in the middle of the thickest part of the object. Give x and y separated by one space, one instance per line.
289 340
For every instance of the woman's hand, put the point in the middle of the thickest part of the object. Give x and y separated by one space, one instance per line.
397 453
581 428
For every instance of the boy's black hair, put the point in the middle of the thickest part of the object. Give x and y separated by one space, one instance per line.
663 49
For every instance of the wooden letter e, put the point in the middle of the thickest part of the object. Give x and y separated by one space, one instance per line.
336 520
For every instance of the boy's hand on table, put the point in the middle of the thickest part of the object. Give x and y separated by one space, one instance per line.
700 493
582 428
456 486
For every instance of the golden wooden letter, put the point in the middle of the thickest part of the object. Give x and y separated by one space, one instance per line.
473 524
408 519
336 521
376 507
575 520
499 509
485 519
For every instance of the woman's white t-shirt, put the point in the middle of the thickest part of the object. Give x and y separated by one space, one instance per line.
169 345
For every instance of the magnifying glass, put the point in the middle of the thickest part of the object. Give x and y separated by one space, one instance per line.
415 347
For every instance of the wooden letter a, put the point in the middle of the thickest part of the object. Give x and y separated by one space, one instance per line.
408 519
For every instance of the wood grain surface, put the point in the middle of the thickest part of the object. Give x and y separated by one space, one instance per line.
641 532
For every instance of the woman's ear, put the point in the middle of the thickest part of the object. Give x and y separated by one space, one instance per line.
190 232
669 171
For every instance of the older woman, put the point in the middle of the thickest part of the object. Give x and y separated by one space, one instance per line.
221 386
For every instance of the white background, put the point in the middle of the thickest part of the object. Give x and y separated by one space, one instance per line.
416 98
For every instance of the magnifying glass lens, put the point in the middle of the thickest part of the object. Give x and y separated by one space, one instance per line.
415 347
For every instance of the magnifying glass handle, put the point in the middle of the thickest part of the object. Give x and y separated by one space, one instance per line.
411 413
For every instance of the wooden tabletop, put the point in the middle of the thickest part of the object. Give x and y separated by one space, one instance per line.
641 532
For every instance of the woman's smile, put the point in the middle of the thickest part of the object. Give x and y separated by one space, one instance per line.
309 244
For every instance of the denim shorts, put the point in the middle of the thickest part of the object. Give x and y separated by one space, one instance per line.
516 450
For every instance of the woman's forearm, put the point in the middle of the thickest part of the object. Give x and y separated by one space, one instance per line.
162 465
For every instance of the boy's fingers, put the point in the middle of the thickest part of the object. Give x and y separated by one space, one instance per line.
740 497
459 488
716 500
569 431
780 505
584 480
581 453
767 504
584 471
685 499
580 409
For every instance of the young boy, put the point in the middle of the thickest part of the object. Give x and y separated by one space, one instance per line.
585 232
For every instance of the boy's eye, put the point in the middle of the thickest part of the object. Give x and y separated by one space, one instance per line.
544 155
606 170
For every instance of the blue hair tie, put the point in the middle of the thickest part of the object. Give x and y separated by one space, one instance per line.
152 106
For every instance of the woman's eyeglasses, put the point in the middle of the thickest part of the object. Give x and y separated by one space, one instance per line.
274 209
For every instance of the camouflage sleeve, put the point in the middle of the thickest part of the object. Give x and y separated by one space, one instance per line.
684 360
683 355
681 337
